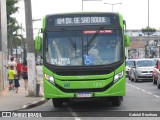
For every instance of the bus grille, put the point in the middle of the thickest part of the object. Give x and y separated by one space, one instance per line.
84 72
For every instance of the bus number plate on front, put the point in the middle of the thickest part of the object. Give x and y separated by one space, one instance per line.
82 95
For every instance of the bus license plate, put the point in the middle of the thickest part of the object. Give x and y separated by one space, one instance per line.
82 95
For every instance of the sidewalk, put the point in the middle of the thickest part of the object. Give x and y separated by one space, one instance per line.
10 101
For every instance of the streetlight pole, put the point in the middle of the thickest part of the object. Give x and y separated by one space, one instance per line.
148 32
112 4
148 13
88 0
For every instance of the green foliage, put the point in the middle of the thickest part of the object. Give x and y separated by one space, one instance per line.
13 27
11 9
148 31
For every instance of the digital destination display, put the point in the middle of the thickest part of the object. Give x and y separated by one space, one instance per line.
91 20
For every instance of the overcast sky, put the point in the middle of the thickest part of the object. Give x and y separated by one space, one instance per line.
135 12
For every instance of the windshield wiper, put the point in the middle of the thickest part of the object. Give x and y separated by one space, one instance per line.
93 37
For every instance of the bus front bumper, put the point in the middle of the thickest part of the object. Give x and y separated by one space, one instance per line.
117 89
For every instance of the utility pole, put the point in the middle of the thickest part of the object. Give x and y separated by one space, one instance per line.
148 32
3 44
30 49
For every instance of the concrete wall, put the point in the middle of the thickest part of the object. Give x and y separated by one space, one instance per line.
3 44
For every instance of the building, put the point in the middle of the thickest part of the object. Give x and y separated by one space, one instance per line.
143 46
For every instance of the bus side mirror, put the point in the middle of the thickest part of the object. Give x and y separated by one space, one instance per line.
38 43
127 40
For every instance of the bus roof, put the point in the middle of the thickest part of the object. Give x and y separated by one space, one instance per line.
82 13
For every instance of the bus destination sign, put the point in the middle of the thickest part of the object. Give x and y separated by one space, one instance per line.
74 21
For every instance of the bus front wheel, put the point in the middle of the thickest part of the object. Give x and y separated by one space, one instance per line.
57 102
116 101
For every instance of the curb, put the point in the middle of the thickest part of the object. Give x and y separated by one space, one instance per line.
35 103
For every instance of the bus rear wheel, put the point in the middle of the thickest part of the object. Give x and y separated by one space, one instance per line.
57 102
116 101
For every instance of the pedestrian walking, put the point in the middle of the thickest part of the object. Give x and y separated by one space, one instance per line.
19 67
11 77
24 71
16 82
11 62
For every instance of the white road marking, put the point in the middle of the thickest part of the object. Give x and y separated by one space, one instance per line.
74 114
149 93
137 88
143 90
156 96
77 118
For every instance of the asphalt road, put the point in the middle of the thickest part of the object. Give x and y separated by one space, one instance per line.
140 97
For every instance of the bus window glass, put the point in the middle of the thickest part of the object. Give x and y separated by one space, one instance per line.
77 48
64 48
106 48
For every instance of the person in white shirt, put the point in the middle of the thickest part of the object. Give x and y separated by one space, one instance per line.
12 62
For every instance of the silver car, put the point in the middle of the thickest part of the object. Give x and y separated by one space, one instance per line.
142 69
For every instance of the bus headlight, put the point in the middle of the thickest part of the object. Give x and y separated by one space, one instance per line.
49 78
118 76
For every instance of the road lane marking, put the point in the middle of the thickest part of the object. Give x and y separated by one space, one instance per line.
149 93
74 114
156 96
77 118
143 90
137 88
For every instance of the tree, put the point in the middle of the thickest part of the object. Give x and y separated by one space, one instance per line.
14 37
148 31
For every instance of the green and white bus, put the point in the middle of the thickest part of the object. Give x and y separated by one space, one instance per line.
83 57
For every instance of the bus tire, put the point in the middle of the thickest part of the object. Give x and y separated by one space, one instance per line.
116 101
57 102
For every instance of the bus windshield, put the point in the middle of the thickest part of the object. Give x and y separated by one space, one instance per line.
83 47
